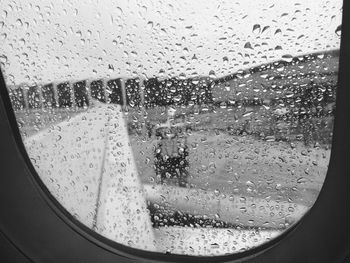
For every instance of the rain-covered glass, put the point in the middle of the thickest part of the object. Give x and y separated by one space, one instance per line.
190 127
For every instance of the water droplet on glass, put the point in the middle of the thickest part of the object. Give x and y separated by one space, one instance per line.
149 25
338 30
248 45
287 58
256 29
278 32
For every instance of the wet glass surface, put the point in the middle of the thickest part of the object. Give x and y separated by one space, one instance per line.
198 128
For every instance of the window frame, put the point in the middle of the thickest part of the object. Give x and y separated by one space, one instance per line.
41 230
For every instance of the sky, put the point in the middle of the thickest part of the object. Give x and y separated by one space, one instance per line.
45 41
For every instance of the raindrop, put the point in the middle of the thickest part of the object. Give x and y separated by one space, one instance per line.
256 29
243 209
4 14
278 47
149 25
287 58
248 45
3 59
212 74
19 22
22 42
265 28
217 192
3 36
278 32
119 11
215 246
338 30
301 180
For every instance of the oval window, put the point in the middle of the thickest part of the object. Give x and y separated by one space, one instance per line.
196 127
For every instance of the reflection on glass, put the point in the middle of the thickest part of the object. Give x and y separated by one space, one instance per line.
198 128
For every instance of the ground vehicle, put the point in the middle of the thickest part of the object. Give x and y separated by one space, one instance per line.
171 153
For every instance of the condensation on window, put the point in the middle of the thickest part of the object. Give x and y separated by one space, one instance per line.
193 127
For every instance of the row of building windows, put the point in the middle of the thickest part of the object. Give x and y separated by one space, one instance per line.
130 92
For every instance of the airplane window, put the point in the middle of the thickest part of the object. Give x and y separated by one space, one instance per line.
196 127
